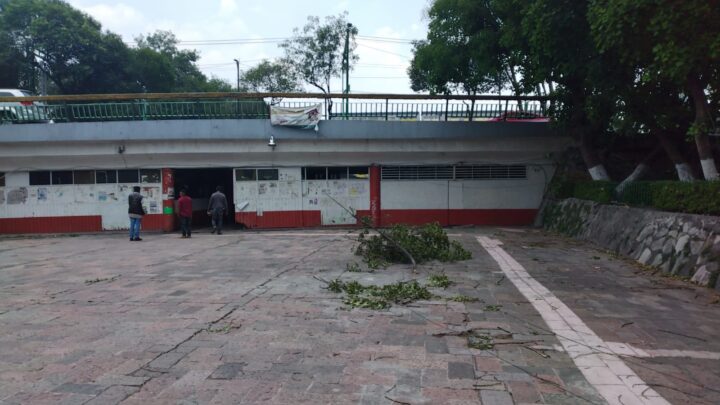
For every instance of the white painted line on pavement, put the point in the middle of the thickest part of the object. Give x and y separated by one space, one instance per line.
626 349
610 376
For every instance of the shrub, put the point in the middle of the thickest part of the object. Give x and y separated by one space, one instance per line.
697 197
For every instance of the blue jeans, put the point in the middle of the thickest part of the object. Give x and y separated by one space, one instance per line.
135 228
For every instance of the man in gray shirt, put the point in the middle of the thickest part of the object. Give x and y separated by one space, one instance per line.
218 208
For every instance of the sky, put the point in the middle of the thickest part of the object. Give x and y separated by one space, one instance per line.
383 62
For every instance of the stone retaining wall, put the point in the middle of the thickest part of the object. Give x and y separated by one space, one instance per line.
680 244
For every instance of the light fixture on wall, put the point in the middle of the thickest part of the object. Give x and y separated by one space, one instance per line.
271 142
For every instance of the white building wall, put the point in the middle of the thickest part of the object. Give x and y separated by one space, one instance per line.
468 194
21 200
291 193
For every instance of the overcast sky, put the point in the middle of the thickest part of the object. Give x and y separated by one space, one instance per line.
382 66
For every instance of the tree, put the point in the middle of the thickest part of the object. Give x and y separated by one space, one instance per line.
67 45
676 41
463 51
315 52
178 63
270 77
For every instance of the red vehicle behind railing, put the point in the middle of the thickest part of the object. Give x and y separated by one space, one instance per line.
519 116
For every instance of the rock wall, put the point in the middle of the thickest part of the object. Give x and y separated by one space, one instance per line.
680 244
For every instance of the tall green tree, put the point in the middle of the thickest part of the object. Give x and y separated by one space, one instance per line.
463 52
561 50
271 77
67 45
315 51
675 41
174 69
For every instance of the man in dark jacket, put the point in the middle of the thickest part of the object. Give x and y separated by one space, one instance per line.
217 208
135 212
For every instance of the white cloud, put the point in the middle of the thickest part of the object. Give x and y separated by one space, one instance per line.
228 6
119 18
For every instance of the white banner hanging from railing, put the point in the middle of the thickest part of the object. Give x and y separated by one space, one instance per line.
302 117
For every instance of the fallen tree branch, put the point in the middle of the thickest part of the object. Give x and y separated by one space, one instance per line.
378 230
680 334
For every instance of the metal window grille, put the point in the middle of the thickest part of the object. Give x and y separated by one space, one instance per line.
464 172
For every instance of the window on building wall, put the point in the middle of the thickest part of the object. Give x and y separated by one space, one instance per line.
245 175
84 177
267 174
337 173
105 176
128 176
40 178
62 177
150 176
361 172
315 173
2 179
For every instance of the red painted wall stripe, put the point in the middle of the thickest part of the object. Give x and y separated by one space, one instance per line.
375 207
85 223
168 193
281 219
152 222
502 217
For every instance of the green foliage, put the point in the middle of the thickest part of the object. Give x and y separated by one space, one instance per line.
315 51
379 297
353 267
698 197
492 308
600 191
463 298
272 77
480 341
429 242
70 47
439 280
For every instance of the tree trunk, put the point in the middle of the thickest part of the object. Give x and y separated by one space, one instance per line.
684 172
515 85
702 125
592 160
640 170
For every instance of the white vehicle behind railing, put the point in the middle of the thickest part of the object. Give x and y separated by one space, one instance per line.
22 111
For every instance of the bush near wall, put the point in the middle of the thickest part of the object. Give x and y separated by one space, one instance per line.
698 197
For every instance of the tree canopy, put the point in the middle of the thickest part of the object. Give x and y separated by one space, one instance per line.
613 67
315 52
52 38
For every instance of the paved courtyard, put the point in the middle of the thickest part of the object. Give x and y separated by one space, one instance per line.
244 318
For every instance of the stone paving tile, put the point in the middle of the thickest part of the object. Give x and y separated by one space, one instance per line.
241 319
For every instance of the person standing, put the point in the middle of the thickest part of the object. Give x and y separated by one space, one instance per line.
185 213
217 208
135 212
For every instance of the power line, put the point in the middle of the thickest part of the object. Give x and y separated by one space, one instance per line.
385 51
267 40
386 39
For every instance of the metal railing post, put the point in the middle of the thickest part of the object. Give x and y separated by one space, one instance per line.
506 110
387 108
447 104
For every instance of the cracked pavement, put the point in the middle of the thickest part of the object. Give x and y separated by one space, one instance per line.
241 318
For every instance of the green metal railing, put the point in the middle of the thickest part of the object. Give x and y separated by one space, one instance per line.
235 106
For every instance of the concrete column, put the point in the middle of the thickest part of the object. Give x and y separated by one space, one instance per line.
375 209
168 199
